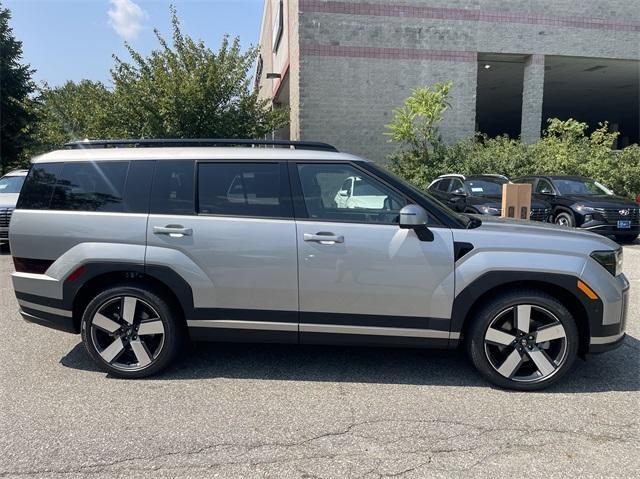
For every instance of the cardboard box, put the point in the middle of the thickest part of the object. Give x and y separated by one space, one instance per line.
516 200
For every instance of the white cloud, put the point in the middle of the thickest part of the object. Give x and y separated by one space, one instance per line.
126 17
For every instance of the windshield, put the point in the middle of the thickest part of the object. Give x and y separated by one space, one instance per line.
464 220
581 187
11 184
485 186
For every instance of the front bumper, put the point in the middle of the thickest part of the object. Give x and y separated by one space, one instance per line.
608 229
608 343
610 336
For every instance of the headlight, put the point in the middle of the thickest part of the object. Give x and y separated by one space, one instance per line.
488 210
587 209
610 260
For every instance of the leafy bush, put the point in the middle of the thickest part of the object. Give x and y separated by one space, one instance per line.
565 148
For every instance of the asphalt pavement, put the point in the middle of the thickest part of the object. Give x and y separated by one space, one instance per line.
308 412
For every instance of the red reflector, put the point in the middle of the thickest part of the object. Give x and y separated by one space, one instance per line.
28 265
76 274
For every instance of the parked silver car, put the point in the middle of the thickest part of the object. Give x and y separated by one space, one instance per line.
10 185
138 245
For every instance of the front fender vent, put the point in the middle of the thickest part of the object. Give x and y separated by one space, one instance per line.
460 249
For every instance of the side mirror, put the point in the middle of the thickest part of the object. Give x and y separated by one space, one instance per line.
415 217
343 193
459 192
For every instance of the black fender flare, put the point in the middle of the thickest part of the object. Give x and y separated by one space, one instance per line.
557 284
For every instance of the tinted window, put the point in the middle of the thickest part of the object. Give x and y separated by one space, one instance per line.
243 189
11 184
173 189
138 187
321 185
38 187
444 185
485 187
544 187
91 186
581 187
456 185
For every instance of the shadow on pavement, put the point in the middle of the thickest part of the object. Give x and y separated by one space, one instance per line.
614 371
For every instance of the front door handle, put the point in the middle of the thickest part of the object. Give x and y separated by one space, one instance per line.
323 238
175 231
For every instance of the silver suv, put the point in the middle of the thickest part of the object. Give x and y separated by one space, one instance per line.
139 246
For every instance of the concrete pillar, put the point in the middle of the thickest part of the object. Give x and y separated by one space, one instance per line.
532 94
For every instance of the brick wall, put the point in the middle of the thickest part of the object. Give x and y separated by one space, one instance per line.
360 59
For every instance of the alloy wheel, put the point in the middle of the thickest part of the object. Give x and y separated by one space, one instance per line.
127 333
526 343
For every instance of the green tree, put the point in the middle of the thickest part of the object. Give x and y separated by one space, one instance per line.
181 90
73 111
16 88
415 129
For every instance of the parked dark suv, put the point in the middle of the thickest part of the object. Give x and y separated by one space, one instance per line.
480 194
584 203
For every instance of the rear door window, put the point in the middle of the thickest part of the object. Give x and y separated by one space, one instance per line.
243 189
173 191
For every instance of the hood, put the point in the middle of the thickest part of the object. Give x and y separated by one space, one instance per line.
8 200
510 234
489 200
495 201
602 201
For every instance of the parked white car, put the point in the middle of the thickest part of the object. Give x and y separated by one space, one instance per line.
10 186
355 193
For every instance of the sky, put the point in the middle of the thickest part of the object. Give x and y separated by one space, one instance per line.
75 39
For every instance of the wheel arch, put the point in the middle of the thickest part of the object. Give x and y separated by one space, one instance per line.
563 209
98 276
562 287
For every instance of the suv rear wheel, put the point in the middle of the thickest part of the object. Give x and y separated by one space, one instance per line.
130 331
523 340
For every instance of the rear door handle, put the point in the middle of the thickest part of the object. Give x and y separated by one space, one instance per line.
175 231
323 238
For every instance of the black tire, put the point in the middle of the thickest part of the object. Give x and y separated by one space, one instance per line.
161 348
487 356
626 238
564 218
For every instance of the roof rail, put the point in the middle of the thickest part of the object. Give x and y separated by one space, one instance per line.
202 142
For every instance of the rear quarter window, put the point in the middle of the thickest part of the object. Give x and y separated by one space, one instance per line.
106 186
38 187
91 186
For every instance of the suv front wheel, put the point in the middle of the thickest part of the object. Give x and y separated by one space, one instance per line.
523 340
130 331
